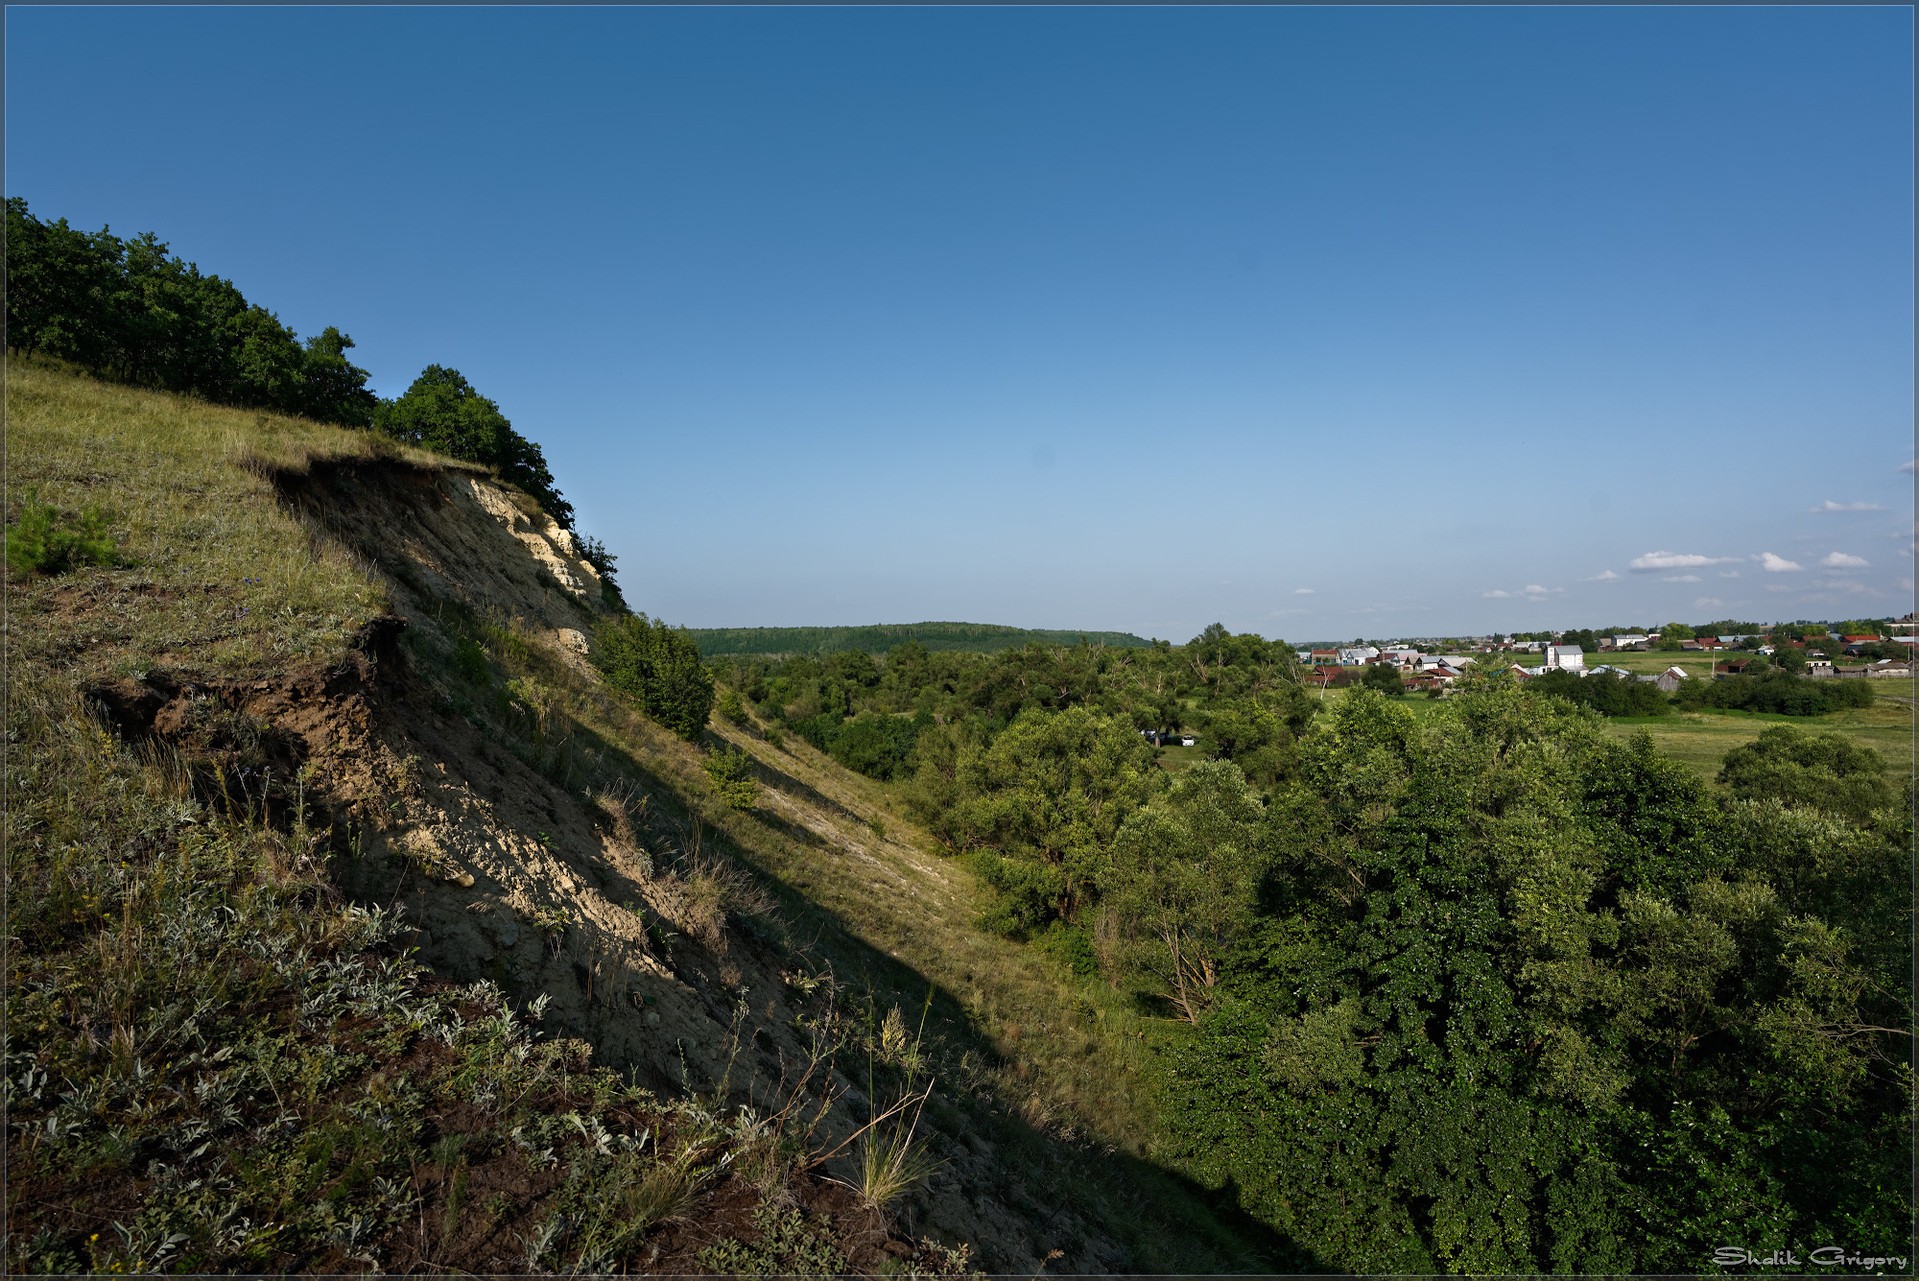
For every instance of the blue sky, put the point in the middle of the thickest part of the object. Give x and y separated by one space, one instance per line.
1318 322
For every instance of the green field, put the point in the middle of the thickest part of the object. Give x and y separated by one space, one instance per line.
1702 739
1695 662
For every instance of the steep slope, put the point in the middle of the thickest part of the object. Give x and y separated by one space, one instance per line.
386 654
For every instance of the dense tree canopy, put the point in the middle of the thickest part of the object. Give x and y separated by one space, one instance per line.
441 411
659 666
1522 998
1482 988
127 310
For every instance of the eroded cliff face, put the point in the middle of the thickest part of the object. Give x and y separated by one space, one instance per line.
540 833
522 851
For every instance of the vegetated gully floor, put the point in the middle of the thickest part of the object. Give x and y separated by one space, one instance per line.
1041 1120
1056 1067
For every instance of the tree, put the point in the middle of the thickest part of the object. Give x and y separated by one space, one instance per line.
1184 879
1818 771
1043 803
1383 677
1518 997
659 667
442 411
333 389
730 771
1672 634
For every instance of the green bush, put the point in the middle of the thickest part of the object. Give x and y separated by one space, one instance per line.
1776 692
659 666
1605 693
731 772
470 665
45 541
1801 770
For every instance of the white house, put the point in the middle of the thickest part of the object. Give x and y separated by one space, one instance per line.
1357 655
1565 658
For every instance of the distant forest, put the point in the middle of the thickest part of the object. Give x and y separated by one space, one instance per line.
880 638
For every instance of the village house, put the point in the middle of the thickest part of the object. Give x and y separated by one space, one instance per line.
1564 658
1633 642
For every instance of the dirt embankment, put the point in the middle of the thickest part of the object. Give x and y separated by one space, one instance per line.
560 861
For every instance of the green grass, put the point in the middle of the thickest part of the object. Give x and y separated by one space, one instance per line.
1693 662
214 576
1701 739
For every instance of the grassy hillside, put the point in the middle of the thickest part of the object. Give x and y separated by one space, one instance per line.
357 924
978 638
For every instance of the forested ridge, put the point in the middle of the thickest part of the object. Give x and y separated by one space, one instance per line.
1478 989
879 638
126 310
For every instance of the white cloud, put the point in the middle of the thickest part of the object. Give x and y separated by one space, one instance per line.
1679 578
1729 573
1845 587
1706 602
1495 594
1906 466
1302 591
1677 560
1534 589
1603 576
1830 506
1777 564
1839 560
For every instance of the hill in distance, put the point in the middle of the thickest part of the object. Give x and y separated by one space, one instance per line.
878 638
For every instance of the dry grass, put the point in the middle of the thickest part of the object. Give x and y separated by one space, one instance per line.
218 577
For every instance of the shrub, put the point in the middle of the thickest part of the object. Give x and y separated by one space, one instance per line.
876 746
594 553
44 541
1605 693
731 772
1777 693
659 666
469 663
1820 771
